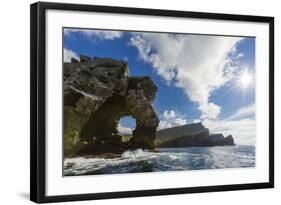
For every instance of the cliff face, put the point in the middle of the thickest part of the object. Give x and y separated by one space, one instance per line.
192 135
97 93
175 132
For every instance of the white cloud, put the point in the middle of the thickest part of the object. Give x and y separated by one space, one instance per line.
196 120
209 110
240 55
244 112
124 130
239 125
196 63
168 115
101 34
170 119
68 54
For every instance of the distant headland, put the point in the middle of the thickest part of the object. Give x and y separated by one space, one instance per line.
191 135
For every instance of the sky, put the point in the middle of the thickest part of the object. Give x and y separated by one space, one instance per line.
200 78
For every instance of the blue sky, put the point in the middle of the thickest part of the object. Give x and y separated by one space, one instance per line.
203 78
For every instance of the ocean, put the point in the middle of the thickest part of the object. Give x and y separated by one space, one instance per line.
165 159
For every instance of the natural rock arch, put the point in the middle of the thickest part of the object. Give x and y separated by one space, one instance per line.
102 126
97 93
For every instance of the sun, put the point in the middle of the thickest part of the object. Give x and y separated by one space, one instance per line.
245 79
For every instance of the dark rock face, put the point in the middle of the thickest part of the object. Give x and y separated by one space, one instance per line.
184 130
229 140
85 58
74 60
199 139
140 96
97 93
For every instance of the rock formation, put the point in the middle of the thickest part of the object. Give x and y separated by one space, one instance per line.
97 93
191 135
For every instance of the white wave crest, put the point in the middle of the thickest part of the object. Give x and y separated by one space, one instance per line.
165 160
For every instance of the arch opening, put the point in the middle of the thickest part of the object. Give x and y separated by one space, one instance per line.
126 126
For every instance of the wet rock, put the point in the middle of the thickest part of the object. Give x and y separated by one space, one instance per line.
99 149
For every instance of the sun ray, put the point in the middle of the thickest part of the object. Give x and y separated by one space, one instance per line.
245 79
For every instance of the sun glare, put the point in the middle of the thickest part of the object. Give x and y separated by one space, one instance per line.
245 79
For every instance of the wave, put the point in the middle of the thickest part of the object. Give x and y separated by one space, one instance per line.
168 159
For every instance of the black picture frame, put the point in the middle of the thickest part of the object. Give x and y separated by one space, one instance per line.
38 101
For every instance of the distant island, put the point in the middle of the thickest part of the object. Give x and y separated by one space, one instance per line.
190 135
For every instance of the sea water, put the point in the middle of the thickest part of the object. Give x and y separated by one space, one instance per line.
165 159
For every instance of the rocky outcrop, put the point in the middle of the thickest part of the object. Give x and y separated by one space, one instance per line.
97 93
228 140
192 135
